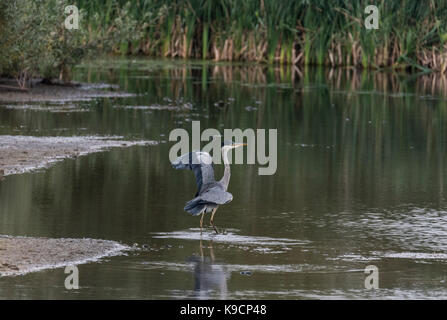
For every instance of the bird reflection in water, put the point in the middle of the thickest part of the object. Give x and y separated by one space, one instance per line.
209 278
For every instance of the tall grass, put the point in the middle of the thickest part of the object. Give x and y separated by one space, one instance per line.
411 34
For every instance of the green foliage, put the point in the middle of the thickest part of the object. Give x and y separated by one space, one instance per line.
35 43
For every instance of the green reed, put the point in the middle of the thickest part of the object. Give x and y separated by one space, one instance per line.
411 33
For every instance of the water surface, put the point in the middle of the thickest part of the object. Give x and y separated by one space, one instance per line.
360 181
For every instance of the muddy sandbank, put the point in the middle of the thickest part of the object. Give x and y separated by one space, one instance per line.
21 255
19 154
41 92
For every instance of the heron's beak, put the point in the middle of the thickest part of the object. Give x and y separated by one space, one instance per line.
235 145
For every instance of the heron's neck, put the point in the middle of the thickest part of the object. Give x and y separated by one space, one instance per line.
226 177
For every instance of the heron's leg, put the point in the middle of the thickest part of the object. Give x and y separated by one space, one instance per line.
212 220
201 222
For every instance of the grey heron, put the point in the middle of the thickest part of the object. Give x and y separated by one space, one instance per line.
210 193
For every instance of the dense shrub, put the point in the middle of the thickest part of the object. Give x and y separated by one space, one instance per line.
35 43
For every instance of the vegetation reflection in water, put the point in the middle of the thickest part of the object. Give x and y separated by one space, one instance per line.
360 181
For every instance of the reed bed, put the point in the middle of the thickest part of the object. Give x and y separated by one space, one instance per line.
411 34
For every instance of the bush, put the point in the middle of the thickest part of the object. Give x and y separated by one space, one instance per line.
35 43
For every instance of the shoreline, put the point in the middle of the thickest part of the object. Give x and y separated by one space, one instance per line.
21 154
57 93
23 255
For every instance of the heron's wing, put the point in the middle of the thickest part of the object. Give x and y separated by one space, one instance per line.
216 195
200 163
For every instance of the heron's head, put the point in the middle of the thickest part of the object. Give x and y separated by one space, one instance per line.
231 145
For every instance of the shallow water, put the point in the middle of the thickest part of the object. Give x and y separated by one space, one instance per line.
360 181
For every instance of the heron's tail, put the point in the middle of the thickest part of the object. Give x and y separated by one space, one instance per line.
195 206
